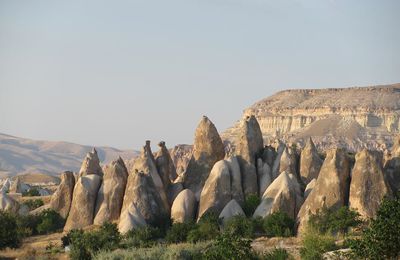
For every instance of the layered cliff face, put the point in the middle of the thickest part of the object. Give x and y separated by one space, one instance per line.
353 118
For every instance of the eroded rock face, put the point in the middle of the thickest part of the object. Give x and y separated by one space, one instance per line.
207 150
264 175
83 204
111 192
249 145
284 195
143 194
184 207
392 166
173 191
288 161
8 204
310 186
146 163
165 165
130 219
181 155
331 189
236 179
231 210
368 185
310 162
91 164
277 162
217 190
16 186
62 198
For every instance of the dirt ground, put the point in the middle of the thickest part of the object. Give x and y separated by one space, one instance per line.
291 244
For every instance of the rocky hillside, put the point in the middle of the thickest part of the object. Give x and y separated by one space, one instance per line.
353 117
21 156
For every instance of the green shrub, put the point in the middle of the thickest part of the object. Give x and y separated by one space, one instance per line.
229 247
84 245
314 244
250 204
179 232
8 235
382 239
239 226
142 237
279 224
34 204
33 192
206 229
49 222
26 225
335 221
276 254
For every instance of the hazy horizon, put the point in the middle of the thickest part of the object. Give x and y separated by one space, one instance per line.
118 73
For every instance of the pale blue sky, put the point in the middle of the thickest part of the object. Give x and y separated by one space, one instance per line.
119 72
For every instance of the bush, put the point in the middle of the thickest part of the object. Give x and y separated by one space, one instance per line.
239 226
277 254
49 222
179 232
33 204
142 237
8 235
382 239
86 245
206 229
335 221
279 224
33 192
316 244
228 247
250 204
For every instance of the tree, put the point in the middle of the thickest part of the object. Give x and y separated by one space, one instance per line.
8 227
230 247
279 224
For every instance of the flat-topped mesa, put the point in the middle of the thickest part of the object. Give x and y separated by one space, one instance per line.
91 164
111 192
165 165
368 185
352 117
331 189
249 145
207 150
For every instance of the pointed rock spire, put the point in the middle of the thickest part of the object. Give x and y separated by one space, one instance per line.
368 185
231 210
91 164
249 146
165 165
111 192
331 188
62 198
310 162
207 150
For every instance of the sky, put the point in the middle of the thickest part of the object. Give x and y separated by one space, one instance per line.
116 73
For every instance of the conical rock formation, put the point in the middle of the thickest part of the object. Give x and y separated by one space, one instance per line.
91 164
184 207
283 195
249 145
83 204
62 198
231 210
207 150
264 176
111 192
165 165
331 189
130 219
8 204
368 185
310 162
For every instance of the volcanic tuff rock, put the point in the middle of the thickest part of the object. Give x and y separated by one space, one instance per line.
146 163
207 150
368 184
236 179
184 207
310 162
264 175
142 192
111 192
231 210
62 197
392 166
91 164
310 186
284 195
83 204
217 190
131 218
181 155
8 204
331 189
249 145
288 161
350 117
165 165
280 148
